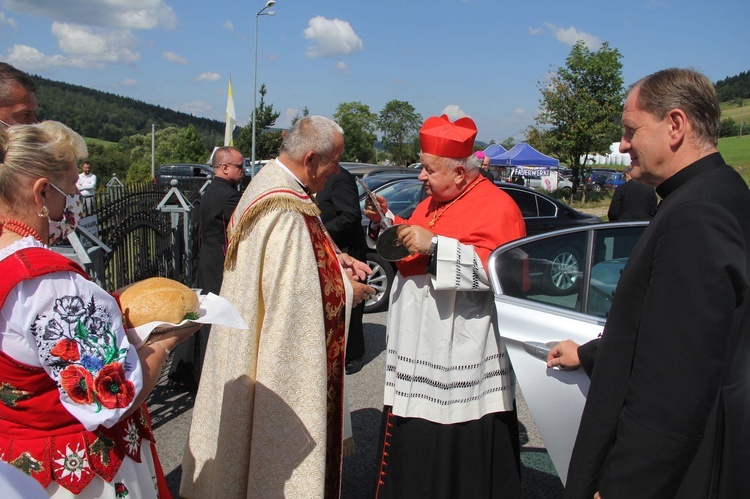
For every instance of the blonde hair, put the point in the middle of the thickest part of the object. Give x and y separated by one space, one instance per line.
44 149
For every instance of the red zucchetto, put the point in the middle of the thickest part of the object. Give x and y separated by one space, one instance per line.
442 138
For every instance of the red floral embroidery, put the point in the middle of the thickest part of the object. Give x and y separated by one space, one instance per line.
67 350
112 388
78 384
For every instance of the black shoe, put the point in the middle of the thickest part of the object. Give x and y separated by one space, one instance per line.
354 365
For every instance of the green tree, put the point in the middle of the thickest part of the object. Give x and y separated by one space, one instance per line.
537 138
509 143
582 103
400 123
189 147
359 126
267 142
106 160
729 128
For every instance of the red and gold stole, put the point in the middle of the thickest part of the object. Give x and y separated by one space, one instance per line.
333 293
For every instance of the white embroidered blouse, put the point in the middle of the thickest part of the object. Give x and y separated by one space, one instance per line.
67 324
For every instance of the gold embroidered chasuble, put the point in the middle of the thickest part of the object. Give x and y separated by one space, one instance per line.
269 414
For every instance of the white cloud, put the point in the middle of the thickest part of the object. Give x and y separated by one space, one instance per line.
174 58
31 59
130 14
520 112
129 82
95 46
7 21
453 111
535 31
332 37
227 25
207 77
197 107
570 36
89 33
81 47
342 66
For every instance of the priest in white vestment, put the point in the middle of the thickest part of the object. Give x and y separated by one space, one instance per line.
270 414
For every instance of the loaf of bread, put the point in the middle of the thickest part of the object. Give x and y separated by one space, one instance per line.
158 299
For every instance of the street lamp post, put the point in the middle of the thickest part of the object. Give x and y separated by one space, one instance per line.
269 3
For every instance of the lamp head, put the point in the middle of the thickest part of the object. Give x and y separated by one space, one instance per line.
271 13
270 3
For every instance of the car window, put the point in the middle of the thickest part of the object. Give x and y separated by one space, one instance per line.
546 271
402 197
546 207
611 251
562 272
526 202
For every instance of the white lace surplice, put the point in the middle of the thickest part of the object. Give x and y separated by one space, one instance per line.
445 360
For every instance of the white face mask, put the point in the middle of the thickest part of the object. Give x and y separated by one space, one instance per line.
61 229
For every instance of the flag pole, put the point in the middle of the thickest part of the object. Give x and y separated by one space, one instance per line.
231 116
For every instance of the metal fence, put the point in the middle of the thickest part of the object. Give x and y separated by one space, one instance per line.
144 235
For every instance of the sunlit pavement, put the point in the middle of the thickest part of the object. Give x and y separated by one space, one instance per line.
171 408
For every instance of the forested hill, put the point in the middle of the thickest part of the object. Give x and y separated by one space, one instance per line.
734 87
107 116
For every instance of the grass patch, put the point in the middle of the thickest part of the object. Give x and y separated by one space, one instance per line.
737 113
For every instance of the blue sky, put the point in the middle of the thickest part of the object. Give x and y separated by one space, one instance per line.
481 58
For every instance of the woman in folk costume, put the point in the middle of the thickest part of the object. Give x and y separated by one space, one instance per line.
270 414
449 424
72 388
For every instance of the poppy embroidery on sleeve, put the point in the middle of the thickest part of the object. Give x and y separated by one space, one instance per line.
76 341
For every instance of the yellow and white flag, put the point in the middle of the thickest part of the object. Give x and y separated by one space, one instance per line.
231 117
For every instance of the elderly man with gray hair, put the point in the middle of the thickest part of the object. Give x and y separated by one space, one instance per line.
270 417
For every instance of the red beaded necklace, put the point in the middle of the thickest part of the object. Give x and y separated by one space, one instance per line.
19 228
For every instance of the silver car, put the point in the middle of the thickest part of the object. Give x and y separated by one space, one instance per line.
531 319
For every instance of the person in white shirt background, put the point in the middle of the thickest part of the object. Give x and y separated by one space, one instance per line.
87 186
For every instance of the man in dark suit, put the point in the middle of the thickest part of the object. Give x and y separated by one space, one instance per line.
668 410
340 213
632 200
217 204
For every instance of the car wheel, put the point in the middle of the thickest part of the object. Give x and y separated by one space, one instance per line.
563 272
381 280
596 188
566 191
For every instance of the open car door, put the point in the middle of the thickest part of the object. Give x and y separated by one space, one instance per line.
553 287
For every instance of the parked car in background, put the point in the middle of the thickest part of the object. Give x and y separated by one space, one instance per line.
613 180
188 176
541 213
251 172
361 170
533 320
595 180
548 182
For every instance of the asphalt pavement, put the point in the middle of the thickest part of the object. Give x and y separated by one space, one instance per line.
171 409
